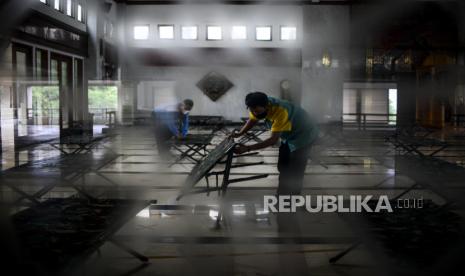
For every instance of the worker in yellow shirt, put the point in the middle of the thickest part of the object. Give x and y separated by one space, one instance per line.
293 126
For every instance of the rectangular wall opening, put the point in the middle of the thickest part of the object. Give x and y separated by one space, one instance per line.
43 106
103 104
370 103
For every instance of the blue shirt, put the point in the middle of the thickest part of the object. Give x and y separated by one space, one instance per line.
169 116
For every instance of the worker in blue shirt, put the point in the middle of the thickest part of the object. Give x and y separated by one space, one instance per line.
171 120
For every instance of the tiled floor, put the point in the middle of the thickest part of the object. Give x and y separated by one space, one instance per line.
251 241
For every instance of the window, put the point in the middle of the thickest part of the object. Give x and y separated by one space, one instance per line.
288 33
141 32
239 32
39 64
263 33
79 13
101 99
69 7
57 5
392 109
189 32
166 31
370 102
214 33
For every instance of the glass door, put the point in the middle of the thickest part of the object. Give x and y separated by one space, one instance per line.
61 71
22 74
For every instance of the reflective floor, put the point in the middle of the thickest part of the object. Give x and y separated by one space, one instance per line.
182 238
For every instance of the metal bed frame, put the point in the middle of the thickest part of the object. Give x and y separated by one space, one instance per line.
192 145
223 154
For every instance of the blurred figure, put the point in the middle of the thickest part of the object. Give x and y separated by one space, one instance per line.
171 120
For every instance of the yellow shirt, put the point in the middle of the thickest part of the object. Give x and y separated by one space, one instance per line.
296 127
278 116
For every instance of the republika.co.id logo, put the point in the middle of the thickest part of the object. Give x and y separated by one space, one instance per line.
339 203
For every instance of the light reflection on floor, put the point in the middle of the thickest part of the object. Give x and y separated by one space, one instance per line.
356 166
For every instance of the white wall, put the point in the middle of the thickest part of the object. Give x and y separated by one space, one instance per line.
231 105
320 28
245 78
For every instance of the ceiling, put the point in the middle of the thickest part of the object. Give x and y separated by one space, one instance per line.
235 2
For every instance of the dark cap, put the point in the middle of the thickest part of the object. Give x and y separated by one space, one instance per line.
254 99
189 102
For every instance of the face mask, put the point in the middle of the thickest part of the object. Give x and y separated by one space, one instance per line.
185 112
261 115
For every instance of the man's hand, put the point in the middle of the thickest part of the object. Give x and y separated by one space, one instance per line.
268 142
240 149
235 134
250 123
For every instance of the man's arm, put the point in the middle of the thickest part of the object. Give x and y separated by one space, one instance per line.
185 125
266 143
171 124
248 125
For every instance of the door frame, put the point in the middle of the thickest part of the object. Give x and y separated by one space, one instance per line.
66 92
